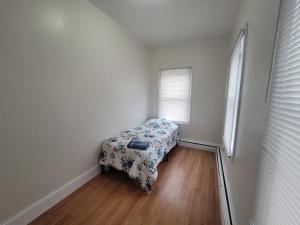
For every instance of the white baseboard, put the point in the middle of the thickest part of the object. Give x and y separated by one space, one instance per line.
201 145
36 209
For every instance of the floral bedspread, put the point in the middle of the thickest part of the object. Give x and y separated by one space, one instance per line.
140 165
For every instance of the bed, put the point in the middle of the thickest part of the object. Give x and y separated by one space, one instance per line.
138 164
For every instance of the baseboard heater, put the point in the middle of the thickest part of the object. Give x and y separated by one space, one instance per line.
223 191
200 144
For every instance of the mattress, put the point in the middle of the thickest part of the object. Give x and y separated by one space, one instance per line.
140 165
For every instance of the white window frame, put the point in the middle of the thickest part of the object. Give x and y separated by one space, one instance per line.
231 149
190 94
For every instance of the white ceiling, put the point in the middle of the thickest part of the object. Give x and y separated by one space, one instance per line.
156 22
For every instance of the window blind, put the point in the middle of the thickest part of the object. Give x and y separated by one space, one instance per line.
277 199
233 94
175 95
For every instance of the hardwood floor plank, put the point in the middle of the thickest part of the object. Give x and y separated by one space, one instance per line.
185 193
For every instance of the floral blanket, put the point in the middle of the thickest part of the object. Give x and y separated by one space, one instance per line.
140 165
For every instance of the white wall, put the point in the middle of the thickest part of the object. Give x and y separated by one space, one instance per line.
70 76
209 60
242 169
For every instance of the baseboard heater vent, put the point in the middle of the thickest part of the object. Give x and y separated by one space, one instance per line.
223 191
198 145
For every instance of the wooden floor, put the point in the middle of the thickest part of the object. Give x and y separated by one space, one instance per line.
185 192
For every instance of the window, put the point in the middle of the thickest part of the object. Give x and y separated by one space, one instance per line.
277 195
175 95
233 94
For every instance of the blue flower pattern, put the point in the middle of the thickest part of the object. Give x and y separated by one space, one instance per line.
140 165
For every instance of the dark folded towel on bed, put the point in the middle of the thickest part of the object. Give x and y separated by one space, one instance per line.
140 145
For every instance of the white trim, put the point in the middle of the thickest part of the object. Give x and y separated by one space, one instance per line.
36 209
201 145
